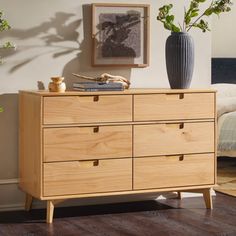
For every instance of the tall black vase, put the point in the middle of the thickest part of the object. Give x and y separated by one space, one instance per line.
179 59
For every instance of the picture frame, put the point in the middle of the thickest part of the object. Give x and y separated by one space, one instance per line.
120 35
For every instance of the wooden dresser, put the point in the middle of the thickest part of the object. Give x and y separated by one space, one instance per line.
85 144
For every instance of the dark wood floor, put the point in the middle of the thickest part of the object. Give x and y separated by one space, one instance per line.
165 217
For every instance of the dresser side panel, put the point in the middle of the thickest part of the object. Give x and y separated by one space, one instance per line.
216 141
30 160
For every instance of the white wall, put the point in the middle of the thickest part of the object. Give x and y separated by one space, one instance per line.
34 25
224 34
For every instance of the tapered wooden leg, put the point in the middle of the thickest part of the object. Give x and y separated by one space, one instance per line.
179 195
28 202
50 210
206 195
208 198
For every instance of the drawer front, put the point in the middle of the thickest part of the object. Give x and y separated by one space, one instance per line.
173 171
78 177
81 143
175 138
173 106
87 109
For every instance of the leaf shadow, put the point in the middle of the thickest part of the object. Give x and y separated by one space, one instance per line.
53 33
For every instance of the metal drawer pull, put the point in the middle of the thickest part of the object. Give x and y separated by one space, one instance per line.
96 98
181 125
96 129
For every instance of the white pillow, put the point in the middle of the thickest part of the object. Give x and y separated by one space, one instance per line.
225 105
225 90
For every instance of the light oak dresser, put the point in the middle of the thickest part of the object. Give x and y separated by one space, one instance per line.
86 144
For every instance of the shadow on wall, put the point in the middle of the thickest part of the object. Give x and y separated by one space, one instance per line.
81 64
54 35
9 136
53 38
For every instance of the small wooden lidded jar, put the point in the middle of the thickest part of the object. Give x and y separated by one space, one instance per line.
57 85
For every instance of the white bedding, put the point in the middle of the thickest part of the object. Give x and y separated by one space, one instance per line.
227 135
226 114
225 105
225 90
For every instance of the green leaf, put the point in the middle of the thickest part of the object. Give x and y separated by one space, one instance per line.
194 14
193 5
208 12
187 20
8 45
169 6
3 23
166 18
203 25
167 26
175 29
170 18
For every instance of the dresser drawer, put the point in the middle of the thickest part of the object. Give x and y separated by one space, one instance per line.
174 138
173 106
173 171
81 143
87 109
78 177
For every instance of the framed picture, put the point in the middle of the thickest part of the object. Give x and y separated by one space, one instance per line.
120 35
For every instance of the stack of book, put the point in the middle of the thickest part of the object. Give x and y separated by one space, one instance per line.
97 86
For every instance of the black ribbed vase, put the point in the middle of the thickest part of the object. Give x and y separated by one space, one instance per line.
179 60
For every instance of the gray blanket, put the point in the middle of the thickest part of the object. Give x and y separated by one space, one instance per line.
227 133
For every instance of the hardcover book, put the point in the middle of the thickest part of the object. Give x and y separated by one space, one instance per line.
97 86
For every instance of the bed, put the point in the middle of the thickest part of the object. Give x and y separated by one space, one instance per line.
224 81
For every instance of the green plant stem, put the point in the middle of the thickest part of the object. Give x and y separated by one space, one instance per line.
184 25
180 27
190 26
199 17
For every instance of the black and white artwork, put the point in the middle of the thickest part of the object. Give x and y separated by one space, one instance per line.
120 34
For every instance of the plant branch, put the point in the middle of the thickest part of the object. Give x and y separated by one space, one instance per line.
184 20
180 27
192 18
191 25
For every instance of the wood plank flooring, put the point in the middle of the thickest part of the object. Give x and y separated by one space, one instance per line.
148 218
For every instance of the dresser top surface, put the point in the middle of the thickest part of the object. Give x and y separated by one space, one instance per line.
125 92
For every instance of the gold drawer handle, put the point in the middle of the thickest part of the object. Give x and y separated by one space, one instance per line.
88 163
175 125
174 96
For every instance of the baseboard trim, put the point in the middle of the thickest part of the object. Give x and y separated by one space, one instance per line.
9 181
11 207
21 206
